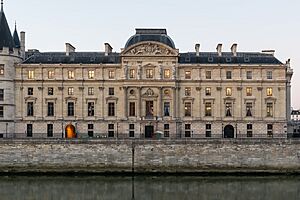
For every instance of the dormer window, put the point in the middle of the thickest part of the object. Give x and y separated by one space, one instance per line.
228 59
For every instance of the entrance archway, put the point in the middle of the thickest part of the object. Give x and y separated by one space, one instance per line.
70 131
229 131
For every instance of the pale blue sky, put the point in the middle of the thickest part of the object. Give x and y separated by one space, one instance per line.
255 25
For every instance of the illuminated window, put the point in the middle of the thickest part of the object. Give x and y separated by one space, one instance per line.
249 74
208 91
208 109
167 92
70 91
111 74
187 109
269 92
31 74
188 75
71 74
249 91
132 73
208 74
50 91
167 73
269 75
1 69
149 73
228 91
50 74
91 74
228 75
269 109
91 108
187 91
90 91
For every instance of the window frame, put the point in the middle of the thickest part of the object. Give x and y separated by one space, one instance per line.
71 74
91 74
228 75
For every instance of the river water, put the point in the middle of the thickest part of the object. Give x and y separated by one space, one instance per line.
150 187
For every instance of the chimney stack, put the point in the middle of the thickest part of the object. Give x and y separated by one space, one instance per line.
234 49
219 49
69 49
197 48
22 46
108 49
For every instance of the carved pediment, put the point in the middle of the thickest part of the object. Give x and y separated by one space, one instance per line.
30 98
149 93
150 49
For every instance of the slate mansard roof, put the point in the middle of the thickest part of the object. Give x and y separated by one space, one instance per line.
115 58
6 39
143 35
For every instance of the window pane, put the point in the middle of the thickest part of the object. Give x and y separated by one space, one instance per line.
70 108
132 73
228 109
249 91
167 73
91 74
91 108
228 75
1 94
228 91
132 109
166 108
269 91
187 91
111 109
50 74
208 91
187 109
208 74
208 109
249 74
188 75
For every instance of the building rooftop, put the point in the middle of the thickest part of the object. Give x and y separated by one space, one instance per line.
6 39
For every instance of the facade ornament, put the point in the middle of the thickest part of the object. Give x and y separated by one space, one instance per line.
150 49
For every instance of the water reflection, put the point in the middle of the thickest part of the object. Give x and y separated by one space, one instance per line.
146 187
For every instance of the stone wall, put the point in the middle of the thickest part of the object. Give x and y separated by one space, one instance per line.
99 156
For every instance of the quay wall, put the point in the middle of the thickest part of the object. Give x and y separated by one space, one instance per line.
153 156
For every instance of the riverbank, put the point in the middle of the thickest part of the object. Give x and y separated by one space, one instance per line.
205 156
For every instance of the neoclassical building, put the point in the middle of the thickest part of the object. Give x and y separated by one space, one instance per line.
146 90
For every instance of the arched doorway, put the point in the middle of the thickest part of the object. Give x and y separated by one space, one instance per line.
229 131
70 131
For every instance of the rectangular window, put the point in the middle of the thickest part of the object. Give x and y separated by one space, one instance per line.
228 91
50 109
187 131
71 109
132 109
167 73
49 130
208 91
228 75
111 91
91 130
1 70
270 130
149 73
269 75
269 92
111 74
208 130
249 130
111 130
131 130
91 91
91 109
70 91
91 74
166 108
249 91
249 74
187 91
132 73
1 111
269 109
188 75
149 109
1 94
30 74
249 109
50 91
208 109
30 109
166 130
208 74
30 91
187 109
228 109
29 130
71 74
50 74
111 109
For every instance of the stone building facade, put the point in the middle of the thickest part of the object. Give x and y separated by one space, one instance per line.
146 90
